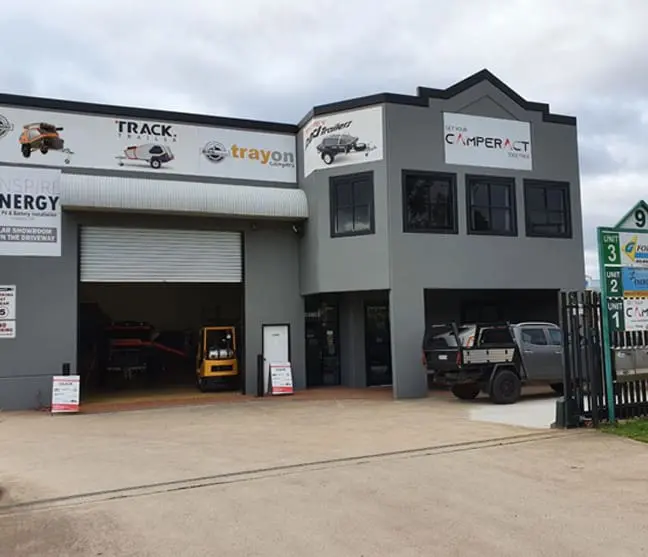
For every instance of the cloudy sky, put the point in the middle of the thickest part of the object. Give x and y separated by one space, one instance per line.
273 60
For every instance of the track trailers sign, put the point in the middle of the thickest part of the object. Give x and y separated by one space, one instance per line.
623 268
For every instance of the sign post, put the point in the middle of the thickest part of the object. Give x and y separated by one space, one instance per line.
623 270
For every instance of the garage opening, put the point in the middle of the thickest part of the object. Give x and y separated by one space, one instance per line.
158 306
490 306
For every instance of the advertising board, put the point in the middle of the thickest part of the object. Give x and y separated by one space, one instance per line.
30 212
487 142
343 139
62 139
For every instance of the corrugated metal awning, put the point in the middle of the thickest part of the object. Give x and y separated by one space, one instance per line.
82 191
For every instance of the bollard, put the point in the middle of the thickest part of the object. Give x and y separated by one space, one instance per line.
260 362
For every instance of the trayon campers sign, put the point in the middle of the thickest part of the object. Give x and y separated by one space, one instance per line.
487 142
30 212
67 140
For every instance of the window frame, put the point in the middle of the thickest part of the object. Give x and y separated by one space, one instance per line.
536 328
452 178
548 184
334 181
511 182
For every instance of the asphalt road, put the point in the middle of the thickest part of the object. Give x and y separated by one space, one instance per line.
336 478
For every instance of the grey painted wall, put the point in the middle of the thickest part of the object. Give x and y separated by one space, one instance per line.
342 264
47 300
46 323
414 139
272 296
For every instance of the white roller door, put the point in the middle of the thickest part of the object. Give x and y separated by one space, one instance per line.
159 255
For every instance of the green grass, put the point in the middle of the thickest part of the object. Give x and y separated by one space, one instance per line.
633 429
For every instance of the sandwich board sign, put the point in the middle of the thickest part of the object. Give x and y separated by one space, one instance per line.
65 393
281 379
623 268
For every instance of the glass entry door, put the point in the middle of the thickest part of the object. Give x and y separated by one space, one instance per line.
322 343
378 345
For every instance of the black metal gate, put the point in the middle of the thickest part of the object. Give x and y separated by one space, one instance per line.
585 397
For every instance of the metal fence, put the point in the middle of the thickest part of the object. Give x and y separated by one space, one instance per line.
586 396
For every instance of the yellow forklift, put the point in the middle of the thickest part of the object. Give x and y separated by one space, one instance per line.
217 359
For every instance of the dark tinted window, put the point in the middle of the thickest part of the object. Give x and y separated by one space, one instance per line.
156 150
351 199
429 202
534 336
547 208
491 205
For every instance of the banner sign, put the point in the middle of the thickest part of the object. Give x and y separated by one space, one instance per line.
30 212
487 142
83 141
343 139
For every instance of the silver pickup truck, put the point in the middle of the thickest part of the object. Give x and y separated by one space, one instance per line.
494 359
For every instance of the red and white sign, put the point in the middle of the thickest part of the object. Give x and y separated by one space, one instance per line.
281 379
65 393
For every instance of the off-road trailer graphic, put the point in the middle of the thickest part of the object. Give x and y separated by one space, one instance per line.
342 144
154 154
43 137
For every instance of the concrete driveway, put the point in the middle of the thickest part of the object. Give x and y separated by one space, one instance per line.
346 477
536 409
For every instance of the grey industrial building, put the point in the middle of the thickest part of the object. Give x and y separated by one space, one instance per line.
348 231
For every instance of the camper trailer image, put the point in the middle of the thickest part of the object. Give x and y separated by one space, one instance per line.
152 153
40 137
337 144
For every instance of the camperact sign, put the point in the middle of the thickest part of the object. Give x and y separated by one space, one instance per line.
30 212
82 141
487 142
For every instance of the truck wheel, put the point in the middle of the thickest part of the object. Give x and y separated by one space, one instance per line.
328 158
44 149
201 384
26 151
505 387
155 163
466 391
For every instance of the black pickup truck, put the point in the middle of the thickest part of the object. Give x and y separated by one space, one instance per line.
496 359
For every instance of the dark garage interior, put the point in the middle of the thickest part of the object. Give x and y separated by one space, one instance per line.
144 337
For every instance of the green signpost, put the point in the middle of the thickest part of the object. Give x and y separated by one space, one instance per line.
623 270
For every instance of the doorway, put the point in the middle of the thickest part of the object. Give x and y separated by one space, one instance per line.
377 344
322 342
276 349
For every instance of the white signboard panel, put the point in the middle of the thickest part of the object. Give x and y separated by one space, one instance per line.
635 313
66 390
7 302
634 249
30 211
60 139
281 379
343 139
487 142
7 312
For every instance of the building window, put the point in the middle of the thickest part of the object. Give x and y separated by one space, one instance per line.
352 204
491 205
429 202
548 213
